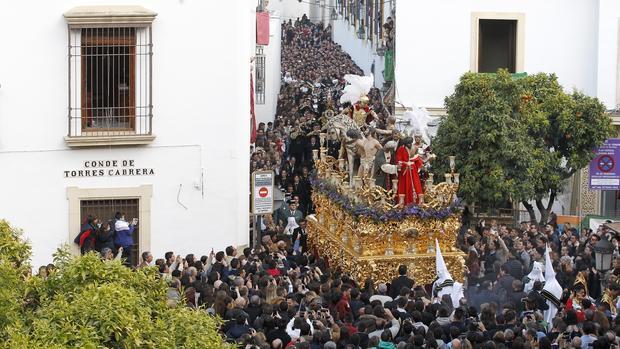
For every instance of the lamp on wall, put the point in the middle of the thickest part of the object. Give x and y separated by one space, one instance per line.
361 33
381 50
333 15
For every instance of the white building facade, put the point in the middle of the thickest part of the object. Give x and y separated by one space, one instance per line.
142 109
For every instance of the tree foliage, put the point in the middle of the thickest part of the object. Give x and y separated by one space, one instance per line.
518 140
90 303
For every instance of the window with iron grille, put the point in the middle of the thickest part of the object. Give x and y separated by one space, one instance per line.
110 72
259 80
105 210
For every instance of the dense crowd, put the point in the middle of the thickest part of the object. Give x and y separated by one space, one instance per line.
313 69
282 294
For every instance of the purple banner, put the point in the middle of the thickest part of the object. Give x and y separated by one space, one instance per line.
604 169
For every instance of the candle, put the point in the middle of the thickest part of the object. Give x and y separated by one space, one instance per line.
315 154
456 178
358 182
448 178
452 162
429 182
371 182
341 164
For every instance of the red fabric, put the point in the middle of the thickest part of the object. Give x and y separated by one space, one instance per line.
367 109
84 236
343 308
581 315
252 115
408 177
262 28
273 272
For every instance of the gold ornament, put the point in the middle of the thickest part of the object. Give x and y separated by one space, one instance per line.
374 249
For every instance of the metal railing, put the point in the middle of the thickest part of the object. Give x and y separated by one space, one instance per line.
259 80
110 81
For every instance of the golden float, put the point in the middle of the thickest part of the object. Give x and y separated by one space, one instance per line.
361 229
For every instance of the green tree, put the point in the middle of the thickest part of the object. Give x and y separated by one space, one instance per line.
90 303
518 140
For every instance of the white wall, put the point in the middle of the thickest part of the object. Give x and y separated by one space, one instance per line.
266 112
290 9
434 38
201 120
607 67
362 51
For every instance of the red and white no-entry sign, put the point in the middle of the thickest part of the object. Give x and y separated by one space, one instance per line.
262 192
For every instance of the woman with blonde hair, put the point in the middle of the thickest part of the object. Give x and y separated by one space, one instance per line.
270 294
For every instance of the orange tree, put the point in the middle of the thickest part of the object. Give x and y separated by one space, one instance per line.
518 139
90 303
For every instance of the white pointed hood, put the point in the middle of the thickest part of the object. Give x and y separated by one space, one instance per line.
535 275
443 273
444 283
552 291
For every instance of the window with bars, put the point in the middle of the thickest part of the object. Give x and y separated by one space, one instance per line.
259 79
105 210
110 52
110 81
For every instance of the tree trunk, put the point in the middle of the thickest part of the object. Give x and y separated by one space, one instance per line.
530 210
545 211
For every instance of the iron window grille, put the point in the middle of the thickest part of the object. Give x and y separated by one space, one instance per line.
106 209
110 80
259 79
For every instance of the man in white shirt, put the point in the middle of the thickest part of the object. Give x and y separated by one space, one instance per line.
382 296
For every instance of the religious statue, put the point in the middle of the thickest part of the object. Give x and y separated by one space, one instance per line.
356 93
390 132
362 113
408 164
367 148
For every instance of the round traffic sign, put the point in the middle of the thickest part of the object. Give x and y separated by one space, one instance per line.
262 192
606 163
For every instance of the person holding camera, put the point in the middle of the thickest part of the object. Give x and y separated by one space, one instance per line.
124 236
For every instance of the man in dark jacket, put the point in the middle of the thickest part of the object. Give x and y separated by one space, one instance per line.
300 234
401 281
504 282
485 295
105 238
239 328
88 235
514 267
254 309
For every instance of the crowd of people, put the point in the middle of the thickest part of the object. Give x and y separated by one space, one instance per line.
282 294
313 69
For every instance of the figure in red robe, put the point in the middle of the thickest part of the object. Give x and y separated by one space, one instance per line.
408 178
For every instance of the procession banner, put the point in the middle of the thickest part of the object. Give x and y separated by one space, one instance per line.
604 171
262 28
